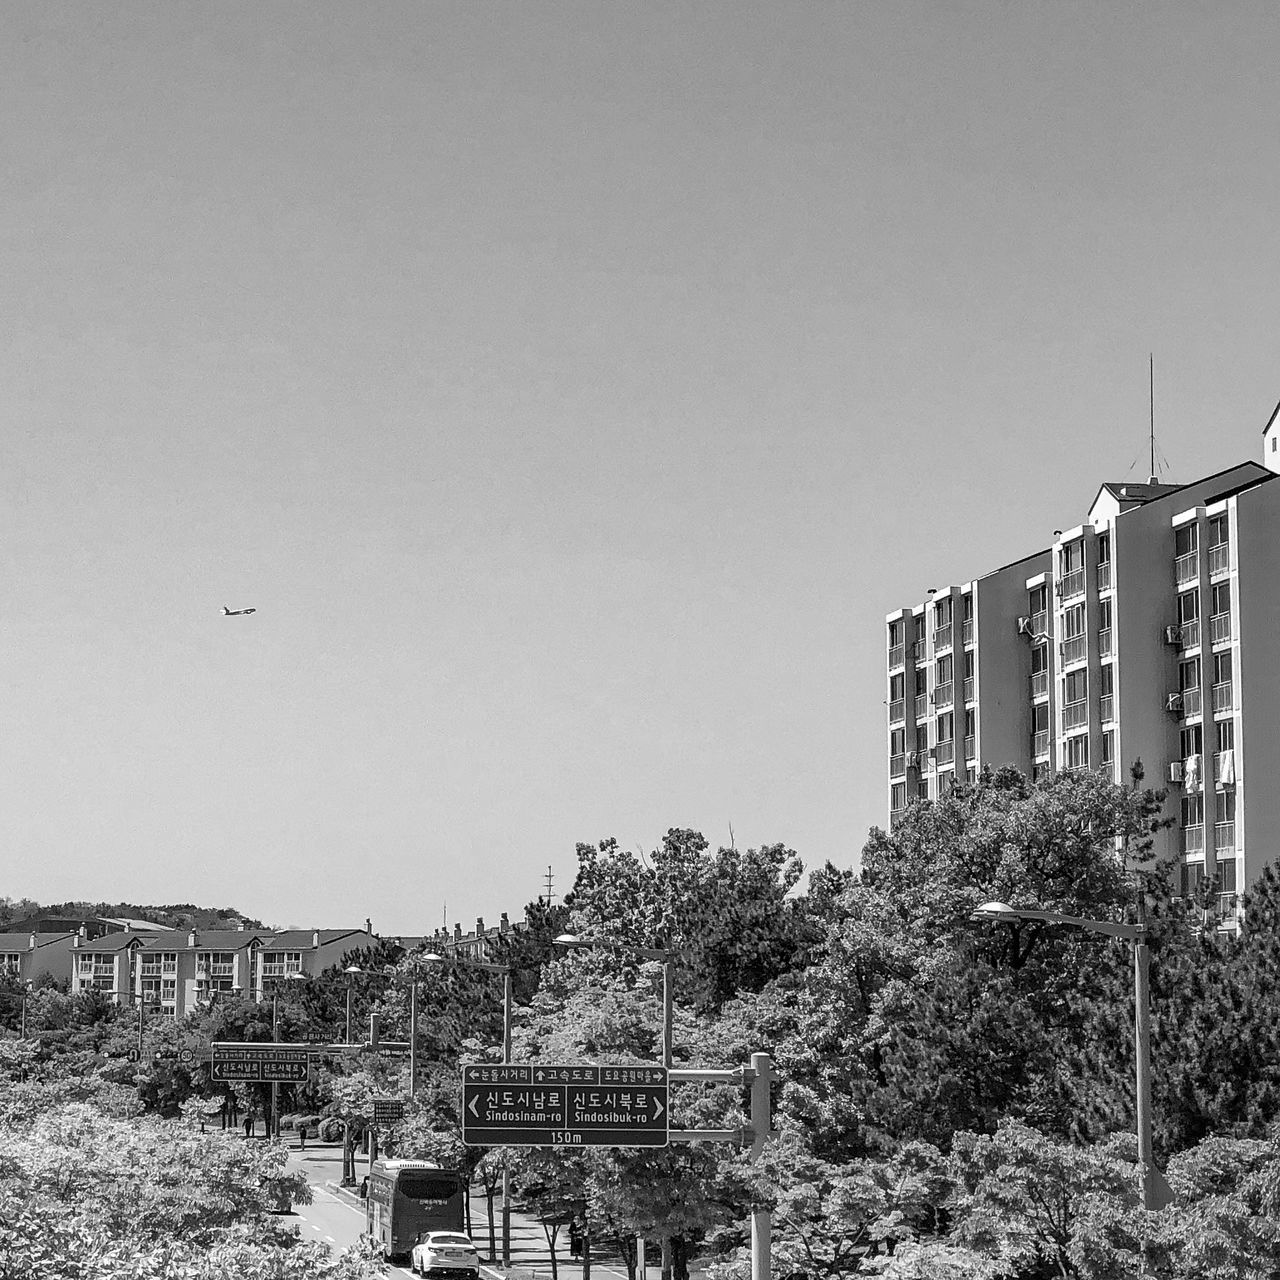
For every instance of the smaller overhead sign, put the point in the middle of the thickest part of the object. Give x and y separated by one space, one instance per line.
387 1111
133 1055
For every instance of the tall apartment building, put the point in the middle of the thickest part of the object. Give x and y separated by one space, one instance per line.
1150 631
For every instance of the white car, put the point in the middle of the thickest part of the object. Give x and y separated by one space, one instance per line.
446 1254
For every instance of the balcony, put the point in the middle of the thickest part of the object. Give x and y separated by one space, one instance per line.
1191 701
968 688
897 655
970 747
1039 684
1219 628
1224 837
1104 642
1104 576
1190 636
1186 568
917 651
898 765
1193 839
966 631
1108 770
943 694
1227 908
1072 584
945 752
1191 773
897 711
1039 623
1221 695
1075 714
1074 650
942 637
1220 559
1040 743
922 706
1106 707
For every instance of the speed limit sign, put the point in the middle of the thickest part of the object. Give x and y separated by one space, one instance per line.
187 1057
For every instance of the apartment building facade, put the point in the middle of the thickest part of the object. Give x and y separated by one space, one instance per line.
24 957
1148 632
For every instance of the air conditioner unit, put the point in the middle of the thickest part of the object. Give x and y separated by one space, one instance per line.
1173 702
1173 635
1175 770
1024 626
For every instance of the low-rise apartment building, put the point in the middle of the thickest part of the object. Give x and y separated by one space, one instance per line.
1149 631
25 957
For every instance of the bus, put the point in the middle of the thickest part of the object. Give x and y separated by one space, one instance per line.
406 1198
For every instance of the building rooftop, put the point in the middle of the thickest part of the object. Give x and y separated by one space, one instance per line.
22 941
207 939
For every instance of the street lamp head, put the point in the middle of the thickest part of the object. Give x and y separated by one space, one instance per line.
432 958
353 968
570 940
995 911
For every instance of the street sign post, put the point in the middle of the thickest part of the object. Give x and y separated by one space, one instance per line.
278 1063
534 1104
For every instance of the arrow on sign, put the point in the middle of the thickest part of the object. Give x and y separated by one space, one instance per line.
472 1108
658 1108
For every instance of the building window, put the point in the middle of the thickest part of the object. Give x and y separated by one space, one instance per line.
1075 645
970 734
898 797
1075 699
1106 693
1071 564
1192 824
1219 544
897 752
1186 546
1104 628
968 675
1040 729
1104 561
1220 618
1191 741
1222 697
1077 752
1038 608
1224 732
944 751
922 739
11 963
1109 753
897 707
279 964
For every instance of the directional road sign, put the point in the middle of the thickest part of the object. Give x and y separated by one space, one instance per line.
259 1062
533 1104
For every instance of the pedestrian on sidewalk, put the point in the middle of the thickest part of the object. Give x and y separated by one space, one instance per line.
248 1125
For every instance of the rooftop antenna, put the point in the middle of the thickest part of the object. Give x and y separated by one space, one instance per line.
550 896
1151 366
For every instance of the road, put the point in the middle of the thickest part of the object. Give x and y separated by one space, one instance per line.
336 1219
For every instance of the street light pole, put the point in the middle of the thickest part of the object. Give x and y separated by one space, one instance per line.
1155 1190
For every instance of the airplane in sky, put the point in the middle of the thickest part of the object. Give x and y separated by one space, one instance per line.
236 613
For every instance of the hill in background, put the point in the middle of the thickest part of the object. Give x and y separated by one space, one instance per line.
177 915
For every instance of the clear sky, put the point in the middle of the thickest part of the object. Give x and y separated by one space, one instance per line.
572 388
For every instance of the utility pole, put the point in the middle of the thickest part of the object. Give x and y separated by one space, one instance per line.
761 1119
